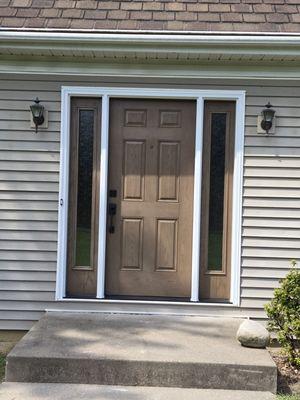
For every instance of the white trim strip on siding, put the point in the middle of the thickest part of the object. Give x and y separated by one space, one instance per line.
63 198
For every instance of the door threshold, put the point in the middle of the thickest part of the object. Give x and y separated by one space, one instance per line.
150 298
118 300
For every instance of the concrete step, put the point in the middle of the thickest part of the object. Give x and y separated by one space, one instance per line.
140 350
52 391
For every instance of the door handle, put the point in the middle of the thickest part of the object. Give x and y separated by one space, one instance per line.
112 210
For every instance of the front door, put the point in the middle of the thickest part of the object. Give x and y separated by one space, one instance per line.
150 198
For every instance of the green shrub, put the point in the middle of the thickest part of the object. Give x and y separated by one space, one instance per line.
284 314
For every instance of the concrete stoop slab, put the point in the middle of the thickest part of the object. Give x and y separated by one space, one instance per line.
52 391
140 350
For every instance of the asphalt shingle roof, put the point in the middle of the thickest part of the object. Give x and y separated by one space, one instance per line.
176 15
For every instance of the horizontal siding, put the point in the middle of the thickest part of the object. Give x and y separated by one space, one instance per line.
29 155
276 243
33 297
27 166
274 193
35 236
274 162
262 202
28 205
25 176
24 265
279 233
13 325
271 203
20 186
28 215
39 276
33 255
270 252
271 222
263 273
261 262
33 285
32 196
29 175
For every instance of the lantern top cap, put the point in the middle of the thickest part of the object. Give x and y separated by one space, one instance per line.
36 105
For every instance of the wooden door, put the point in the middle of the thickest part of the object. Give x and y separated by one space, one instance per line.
151 168
216 213
84 167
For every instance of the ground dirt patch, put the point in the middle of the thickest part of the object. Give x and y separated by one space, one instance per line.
288 377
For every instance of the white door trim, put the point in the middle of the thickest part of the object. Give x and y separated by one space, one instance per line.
199 96
197 200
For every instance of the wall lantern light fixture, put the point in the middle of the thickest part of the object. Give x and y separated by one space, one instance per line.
267 117
37 111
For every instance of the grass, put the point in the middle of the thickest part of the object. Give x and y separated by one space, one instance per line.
215 251
288 397
2 368
83 246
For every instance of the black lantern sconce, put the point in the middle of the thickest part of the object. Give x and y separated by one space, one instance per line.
37 111
267 117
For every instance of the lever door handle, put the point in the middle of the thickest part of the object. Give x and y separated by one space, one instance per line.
112 210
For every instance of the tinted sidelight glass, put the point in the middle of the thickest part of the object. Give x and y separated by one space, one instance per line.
216 191
216 202
84 188
83 212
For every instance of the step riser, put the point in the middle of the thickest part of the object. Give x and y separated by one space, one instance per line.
63 391
139 373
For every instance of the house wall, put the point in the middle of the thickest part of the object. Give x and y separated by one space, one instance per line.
29 174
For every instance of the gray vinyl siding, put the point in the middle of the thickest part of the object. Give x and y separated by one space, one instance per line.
29 177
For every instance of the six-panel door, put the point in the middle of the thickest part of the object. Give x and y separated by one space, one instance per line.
150 198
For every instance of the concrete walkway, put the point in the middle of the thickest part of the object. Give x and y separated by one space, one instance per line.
140 350
43 391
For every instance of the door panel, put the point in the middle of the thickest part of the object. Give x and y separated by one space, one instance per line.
216 215
83 197
151 168
132 243
166 245
168 171
134 170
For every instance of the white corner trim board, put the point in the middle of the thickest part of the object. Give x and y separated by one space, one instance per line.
199 96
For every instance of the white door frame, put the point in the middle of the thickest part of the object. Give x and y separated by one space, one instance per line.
156 93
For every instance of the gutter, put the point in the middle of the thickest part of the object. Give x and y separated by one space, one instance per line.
147 32
176 39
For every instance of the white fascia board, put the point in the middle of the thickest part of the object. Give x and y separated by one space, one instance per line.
149 71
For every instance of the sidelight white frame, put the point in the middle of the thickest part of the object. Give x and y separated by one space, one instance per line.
156 93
